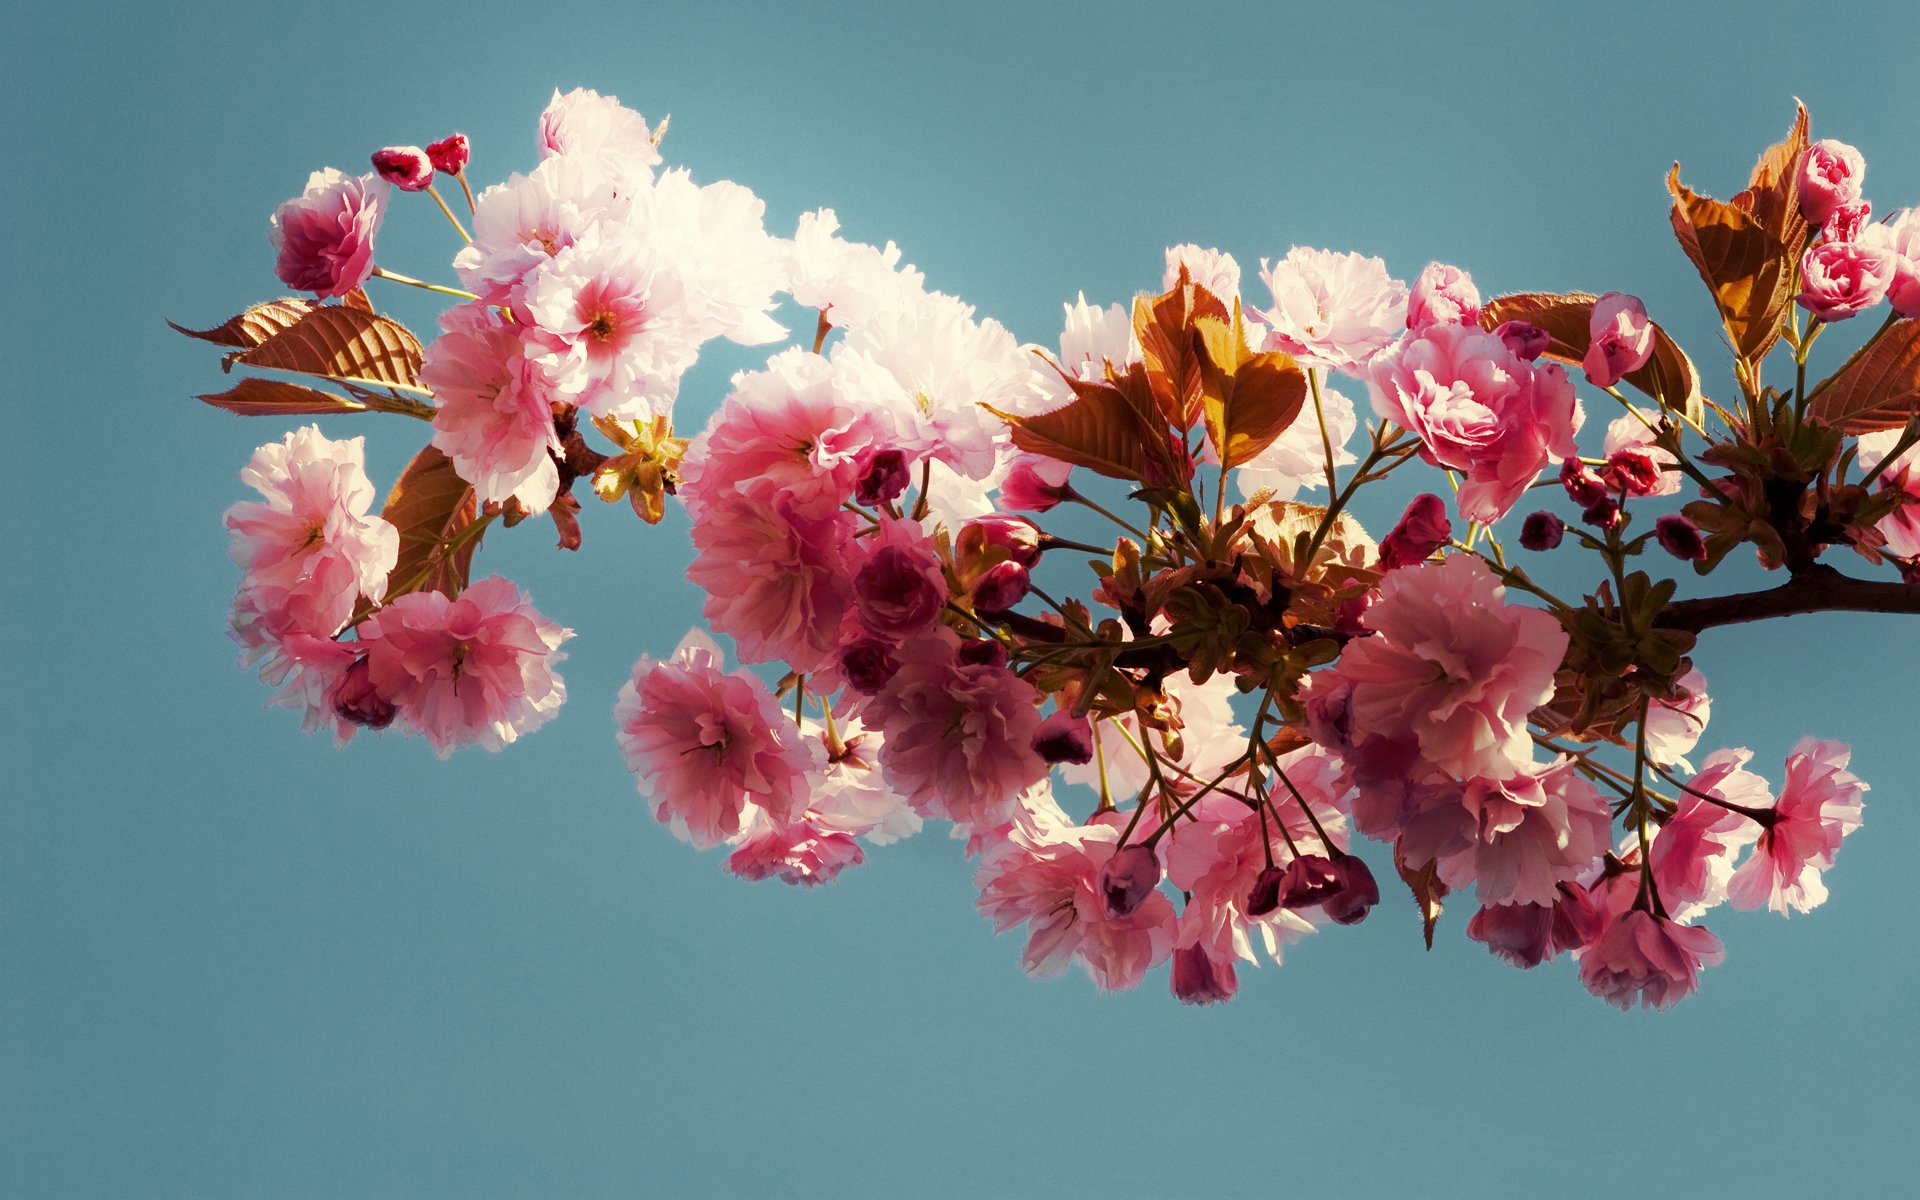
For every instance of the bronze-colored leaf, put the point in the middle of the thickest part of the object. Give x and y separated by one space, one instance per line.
1668 377
275 398
357 298
1164 327
1097 430
343 343
1428 891
1878 390
1263 398
430 505
1745 267
1773 192
253 326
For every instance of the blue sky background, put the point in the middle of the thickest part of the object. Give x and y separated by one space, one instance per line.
236 962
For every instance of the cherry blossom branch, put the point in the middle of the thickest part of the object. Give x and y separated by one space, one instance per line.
1816 588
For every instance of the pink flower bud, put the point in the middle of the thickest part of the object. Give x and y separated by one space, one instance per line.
1443 295
1002 586
1357 895
1265 896
1423 528
449 155
1633 471
1680 538
884 475
1308 880
1603 514
899 591
982 652
1064 738
355 699
1831 174
1541 531
1197 979
1527 340
1127 879
1016 537
405 167
1847 221
868 664
1036 484
1583 487
1842 279
1622 339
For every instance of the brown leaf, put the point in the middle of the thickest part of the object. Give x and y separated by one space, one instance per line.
1773 192
274 398
1745 267
1668 377
1268 392
1164 326
429 505
1878 390
253 326
1108 428
1428 891
343 343
357 298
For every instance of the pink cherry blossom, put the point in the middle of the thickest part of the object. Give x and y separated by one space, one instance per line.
1454 669
495 419
1423 528
1843 279
585 123
309 548
324 237
306 671
450 154
1652 959
1541 531
473 670
1634 431
1477 408
711 748
520 224
1527 935
1332 310
1692 854
1517 839
1198 979
1296 461
849 282
1674 725
405 167
1900 237
1901 527
1831 174
1819 804
1035 484
801 853
1214 270
1443 295
777 578
1064 738
898 587
1621 339
716 238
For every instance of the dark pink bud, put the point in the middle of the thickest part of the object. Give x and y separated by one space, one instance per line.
355 700
1036 484
884 475
449 154
1307 881
1680 538
1357 895
1541 531
1524 338
1583 487
1847 221
1197 979
1002 586
1632 471
1015 537
899 591
1423 528
868 664
1265 896
1128 878
405 167
1604 514
1064 738
982 652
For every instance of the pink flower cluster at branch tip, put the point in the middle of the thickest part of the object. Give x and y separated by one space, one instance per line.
323 238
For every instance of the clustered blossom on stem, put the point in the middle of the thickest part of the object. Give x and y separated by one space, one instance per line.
1187 740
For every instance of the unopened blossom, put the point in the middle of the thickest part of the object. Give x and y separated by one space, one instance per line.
1035 484
1516 838
1819 804
1843 279
1479 409
1621 339
1656 472
323 238
1219 856
1330 310
450 154
357 701
309 546
959 736
849 282
1127 878
709 748
1647 958
1198 979
1454 668
1527 340
1527 935
520 224
1214 270
1900 237
1443 295
1000 587
1674 725
1064 738
1680 538
1423 528
473 670
584 123
495 416
405 167
1355 893
1692 852
898 587
1901 527
777 577
1296 460
1541 531
881 477
1582 486
1831 175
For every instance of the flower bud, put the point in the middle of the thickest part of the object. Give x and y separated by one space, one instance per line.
1524 338
1583 487
1197 979
1036 484
1307 881
1016 538
1831 174
1680 538
1541 531
1843 279
884 475
449 154
1621 339
868 664
1265 896
1357 895
1423 528
405 167
1633 471
1127 879
1443 295
355 700
1603 514
1002 586
1064 738
982 652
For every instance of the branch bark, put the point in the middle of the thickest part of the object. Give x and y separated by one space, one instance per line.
1816 588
